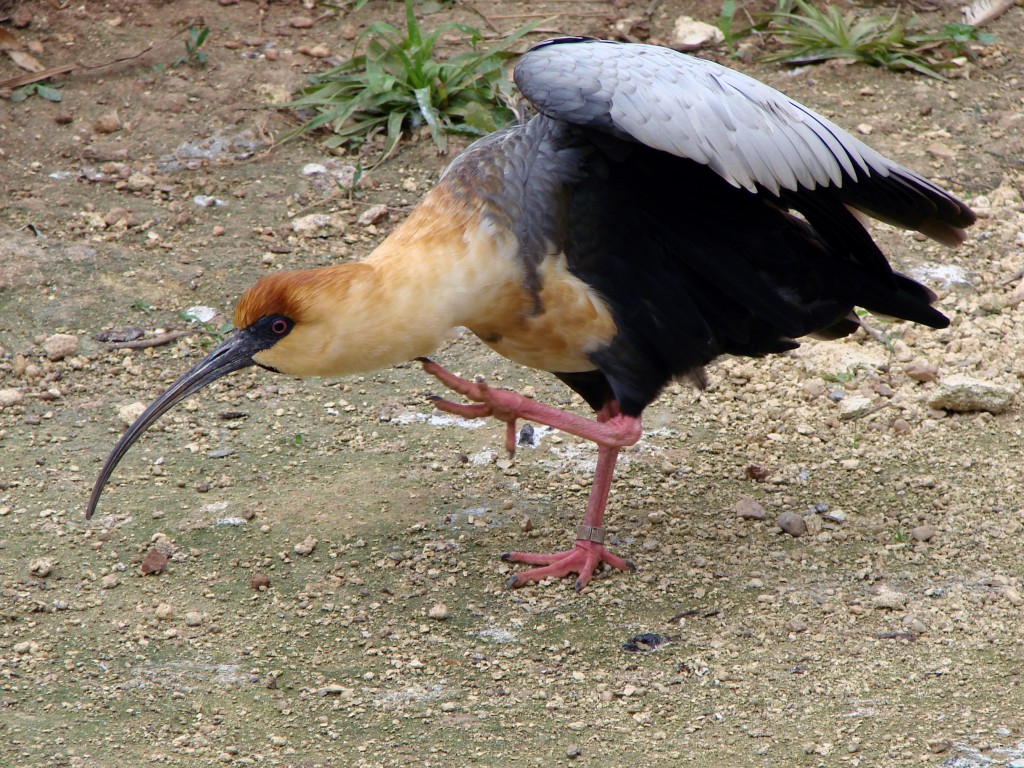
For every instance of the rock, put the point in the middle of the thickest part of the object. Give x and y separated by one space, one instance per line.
796 625
154 562
164 612
318 225
140 182
127 414
941 151
839 358
110 581
792 523
193 619
115 216
438 612
757 472
259 582
855 407
922 532
749 509
688 34
306 546
300 22
965 394
60 345
919 371
889 599
41 567
835 516
372 215
108 123
10 397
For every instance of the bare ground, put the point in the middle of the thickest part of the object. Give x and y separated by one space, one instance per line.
890 634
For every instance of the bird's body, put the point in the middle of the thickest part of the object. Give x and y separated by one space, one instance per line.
659 212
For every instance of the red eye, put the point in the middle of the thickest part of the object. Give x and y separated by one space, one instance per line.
279 327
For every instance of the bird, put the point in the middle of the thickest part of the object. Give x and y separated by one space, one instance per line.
657 212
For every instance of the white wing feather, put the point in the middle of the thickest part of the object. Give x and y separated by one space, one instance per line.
749 133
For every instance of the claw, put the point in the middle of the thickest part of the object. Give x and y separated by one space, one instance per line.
512 582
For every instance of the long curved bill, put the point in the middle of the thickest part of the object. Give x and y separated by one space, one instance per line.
234 353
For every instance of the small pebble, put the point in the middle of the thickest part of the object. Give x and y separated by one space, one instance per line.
922 532
41 567
573 751
749 509
110 581
60 345
140 182
9 397
154 562
193 619
127 414
919 371
889 599
306 546
372 215
792 523
439 612
108 123
259 581
164 612
796 625
855 407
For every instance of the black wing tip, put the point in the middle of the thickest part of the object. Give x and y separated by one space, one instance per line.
566 39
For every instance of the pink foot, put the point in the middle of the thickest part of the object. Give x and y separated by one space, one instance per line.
610 430
582 559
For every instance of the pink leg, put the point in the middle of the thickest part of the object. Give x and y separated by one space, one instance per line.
611 431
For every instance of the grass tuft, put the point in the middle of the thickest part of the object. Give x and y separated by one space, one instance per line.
398 85
808 35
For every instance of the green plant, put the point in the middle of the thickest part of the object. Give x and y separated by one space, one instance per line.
42 90
193 56
398 85
218 334
352 191
808 34
731 33
141 305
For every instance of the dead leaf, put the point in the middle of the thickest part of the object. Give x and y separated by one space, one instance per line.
26 61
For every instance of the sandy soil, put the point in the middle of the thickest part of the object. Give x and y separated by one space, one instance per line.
890 634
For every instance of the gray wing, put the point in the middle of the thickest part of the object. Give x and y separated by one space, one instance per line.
750 134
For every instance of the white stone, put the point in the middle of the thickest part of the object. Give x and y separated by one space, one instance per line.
688 34
966 394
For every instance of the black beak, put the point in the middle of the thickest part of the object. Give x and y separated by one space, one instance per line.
234 353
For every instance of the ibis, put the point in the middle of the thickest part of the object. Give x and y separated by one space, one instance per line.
658 212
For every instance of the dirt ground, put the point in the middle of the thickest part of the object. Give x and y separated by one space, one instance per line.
890 634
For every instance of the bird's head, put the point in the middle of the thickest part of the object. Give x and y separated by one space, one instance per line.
281 324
